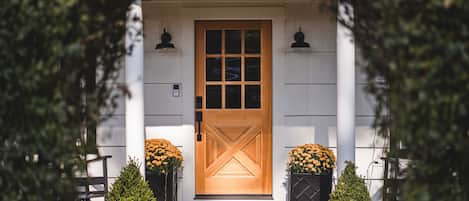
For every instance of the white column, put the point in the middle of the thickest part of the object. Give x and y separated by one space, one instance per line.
134 113
345 92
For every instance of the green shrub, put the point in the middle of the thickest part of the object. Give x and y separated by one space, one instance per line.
130 186
420 50
350 187
51 93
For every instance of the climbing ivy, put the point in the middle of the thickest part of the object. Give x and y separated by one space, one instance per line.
420 50
50 91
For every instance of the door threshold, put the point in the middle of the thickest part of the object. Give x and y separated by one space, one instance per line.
233 197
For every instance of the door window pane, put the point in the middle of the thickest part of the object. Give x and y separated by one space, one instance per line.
233 41
233 69
213 42
213 96
213 69
252 98
233 96
253 41
252 69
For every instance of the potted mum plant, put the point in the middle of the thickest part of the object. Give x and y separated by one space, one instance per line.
162 160
310 167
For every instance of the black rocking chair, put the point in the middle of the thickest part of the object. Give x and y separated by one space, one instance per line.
84 183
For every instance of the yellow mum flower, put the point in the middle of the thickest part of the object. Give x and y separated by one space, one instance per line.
311 158
158 153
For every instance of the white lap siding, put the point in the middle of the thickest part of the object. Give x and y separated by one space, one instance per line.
304 88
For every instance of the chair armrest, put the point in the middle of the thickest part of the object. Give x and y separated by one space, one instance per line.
99 158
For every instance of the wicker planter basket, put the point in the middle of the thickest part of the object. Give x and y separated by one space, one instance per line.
164 187
310 187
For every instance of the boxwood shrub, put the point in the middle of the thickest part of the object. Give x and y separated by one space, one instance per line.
130 186
350 187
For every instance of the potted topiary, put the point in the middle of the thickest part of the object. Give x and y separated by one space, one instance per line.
162 160
350 186
310 167
130 186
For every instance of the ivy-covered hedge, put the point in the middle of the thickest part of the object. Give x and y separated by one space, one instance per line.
416 56
50 51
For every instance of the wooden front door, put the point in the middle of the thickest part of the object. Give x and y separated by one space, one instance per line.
234 97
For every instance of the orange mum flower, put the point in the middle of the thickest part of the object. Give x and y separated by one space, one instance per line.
311 158
161 156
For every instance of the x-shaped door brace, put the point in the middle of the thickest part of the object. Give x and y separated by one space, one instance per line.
234 150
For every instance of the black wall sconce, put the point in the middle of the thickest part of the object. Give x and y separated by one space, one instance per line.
165 41
300 40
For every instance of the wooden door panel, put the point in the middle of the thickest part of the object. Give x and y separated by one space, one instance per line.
234 155
234 150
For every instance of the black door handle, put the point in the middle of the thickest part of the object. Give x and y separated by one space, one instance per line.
198 118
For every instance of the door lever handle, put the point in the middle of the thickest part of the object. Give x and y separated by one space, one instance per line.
198 118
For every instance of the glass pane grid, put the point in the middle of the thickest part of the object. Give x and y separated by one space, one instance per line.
233 69
243 72
252 41
238 84
252 69
233 96
213 41
233 41
213 69
252 96
213 94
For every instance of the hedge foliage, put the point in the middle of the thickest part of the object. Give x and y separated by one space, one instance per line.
420 50
50 51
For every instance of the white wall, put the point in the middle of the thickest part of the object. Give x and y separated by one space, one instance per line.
304 89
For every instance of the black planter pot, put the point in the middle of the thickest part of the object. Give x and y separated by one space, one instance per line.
309 187
164 187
